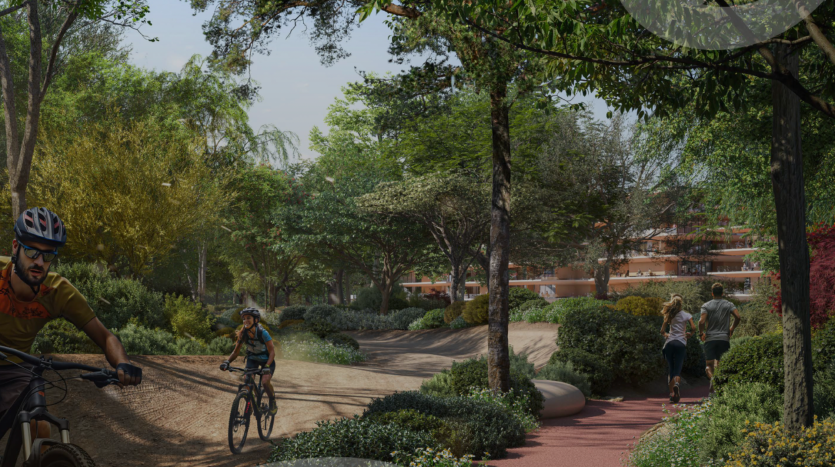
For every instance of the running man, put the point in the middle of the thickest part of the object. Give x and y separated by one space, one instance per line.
715 328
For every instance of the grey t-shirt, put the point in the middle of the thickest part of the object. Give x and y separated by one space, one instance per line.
718 319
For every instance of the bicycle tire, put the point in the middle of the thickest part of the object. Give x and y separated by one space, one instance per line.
66 455
239 421
265 422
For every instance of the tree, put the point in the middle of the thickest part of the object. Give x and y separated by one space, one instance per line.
452 208
602 48
119 184
20 140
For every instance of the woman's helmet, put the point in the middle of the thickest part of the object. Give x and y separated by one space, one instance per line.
42 226
256 315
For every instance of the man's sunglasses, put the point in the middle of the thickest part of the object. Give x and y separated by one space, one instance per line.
34 253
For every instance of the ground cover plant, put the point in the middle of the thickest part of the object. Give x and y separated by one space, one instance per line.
566 373
772 445
539 312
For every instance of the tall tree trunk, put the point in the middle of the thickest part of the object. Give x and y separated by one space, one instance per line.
790 203
340 290
455 290
498 360
201 271
602 273
385 292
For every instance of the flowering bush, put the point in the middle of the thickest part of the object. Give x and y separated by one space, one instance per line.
307 347
770 445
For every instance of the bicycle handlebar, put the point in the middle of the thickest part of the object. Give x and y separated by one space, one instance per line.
100 376
253 371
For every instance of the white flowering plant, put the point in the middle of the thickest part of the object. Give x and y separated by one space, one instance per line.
428 457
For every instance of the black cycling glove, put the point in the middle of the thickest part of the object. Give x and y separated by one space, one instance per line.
225 365
131 371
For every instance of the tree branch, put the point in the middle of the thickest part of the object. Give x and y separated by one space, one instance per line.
12 9
54 53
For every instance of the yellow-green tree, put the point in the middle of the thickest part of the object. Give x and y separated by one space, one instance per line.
127 190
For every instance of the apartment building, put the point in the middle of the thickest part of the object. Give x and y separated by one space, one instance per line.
675 253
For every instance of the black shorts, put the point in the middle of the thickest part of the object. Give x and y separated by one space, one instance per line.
252 364
13 381
715 349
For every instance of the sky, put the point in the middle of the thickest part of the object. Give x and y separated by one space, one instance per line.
296 89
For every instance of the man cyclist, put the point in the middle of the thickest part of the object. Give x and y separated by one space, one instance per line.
260 351
31 296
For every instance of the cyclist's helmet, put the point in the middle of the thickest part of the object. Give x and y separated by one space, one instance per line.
42 226
256 315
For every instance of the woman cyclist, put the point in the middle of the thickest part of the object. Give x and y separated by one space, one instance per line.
260 351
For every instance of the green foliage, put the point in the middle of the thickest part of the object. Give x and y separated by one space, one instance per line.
516 296
409 419
600 374
694 360
453 311
188 318
293 312
775 445
757 317
460 323
139 340
823 346
61 336
824 391
630 344
565 372
494 429
476 310
401 319
351 437
372 298
756 360
319 327
321 312
440 385
739 406
472 373
531 304
308 347
433 319
343 339
640 306
553 312
115 301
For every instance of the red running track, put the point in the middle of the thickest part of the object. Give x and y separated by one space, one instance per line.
599 436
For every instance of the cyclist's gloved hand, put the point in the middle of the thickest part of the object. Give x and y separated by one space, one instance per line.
225 365
265 371
129 375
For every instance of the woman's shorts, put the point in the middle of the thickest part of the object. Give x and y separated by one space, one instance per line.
252 364
715 349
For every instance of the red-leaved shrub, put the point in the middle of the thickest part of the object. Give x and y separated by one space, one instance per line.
821 276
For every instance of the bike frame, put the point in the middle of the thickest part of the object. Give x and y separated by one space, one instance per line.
253 391
34 402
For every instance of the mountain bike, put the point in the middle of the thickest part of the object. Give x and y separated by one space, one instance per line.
31 406
251 399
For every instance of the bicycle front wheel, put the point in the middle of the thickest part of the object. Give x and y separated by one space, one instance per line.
66 455
239 422
265 422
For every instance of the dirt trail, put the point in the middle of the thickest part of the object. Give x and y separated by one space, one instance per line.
179 415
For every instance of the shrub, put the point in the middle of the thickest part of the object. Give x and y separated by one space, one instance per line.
459 323
188 318
440 385
518 406
824 392
308 347
319 327
433 319
757 360
321 312
565 372
640 306
729 412
494 429
472 373
772 445
273 319
370 297
115 301
409 419
535 303
61 336
516 296
630 344
757 318
220 346
139 340
694 359
417 325
293 312
600 374
823 345
453 311
401 319
351 437
695 293
475 311
343 339
676 445
553 312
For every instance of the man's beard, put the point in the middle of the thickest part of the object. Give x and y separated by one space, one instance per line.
24 276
